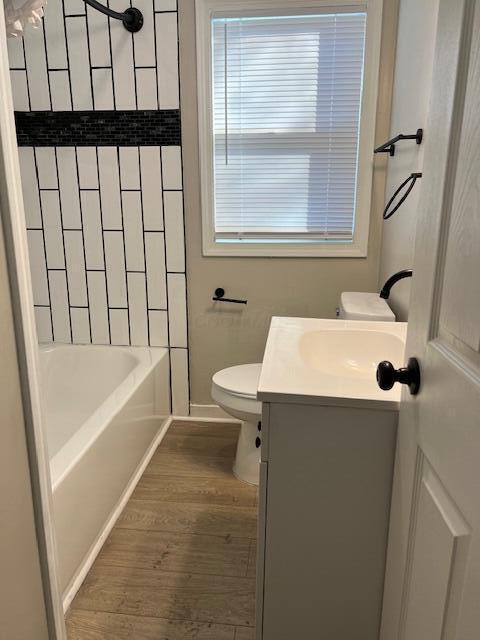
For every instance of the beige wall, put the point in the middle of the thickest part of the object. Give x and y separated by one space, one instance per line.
413 77
221 335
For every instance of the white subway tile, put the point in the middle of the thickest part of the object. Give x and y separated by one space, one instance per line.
97 294
92 229
19 90
180 393
119 327
74 7
110 187
47 167
38 267
37 70
55 37
158 323
144 41
173 207
77 278
68 183
167 56
87 167
80 326
172 167
52 224
60 90
156 277
43 322
177 309
165 5
16 59
79 63
115 263
102 89
147 92
31 199
132 224
122 61
137 302
98 38
129 168
60 310
151 188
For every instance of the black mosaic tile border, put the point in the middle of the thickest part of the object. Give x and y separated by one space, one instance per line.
98 128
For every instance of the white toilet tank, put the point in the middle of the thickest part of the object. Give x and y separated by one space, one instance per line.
358 305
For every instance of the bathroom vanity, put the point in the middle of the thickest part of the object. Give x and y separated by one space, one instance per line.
328 444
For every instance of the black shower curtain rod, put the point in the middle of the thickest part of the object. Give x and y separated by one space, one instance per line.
132 18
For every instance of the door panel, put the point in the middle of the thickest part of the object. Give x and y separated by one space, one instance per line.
460 299
440 545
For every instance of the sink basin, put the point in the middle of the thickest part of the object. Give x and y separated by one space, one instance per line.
354 353
330 362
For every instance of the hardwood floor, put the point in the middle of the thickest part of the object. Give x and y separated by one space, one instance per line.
180 562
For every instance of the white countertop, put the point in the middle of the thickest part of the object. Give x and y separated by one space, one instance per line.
330 362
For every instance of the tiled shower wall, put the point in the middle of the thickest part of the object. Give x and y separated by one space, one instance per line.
105 223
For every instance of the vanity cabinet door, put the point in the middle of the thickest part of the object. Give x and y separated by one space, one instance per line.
327 498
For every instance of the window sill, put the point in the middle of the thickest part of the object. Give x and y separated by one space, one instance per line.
283 250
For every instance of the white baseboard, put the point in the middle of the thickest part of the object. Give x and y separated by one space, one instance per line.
95 549
210 412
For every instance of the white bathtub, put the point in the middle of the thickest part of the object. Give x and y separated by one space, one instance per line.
105 409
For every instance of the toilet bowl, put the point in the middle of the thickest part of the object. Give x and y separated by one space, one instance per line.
235 391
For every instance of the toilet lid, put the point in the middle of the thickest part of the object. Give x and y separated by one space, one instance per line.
241 380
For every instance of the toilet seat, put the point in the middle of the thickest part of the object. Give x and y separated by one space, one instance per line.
235 390
241 380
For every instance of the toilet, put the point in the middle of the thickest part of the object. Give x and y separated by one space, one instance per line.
235 389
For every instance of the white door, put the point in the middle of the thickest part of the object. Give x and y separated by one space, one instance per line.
432 588
30 604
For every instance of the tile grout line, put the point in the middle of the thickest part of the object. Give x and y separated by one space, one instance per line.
188 381
124 244
80 204
35 162
62 229
101 205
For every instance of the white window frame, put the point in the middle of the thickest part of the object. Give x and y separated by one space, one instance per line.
208 9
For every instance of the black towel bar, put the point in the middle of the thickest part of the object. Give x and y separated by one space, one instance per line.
389 146
218 297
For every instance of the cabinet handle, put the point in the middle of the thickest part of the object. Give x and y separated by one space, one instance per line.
258 442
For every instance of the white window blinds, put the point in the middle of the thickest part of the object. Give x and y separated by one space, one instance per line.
287 95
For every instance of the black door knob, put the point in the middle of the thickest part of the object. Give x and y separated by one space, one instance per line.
387 375
258 442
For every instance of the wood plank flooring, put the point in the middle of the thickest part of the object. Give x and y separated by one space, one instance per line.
180 562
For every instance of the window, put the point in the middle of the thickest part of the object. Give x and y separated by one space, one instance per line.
287 97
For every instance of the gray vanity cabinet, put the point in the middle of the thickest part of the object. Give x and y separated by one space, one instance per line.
325 488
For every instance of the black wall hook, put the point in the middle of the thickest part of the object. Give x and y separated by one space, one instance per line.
389 146
132 18
218 297
412 178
